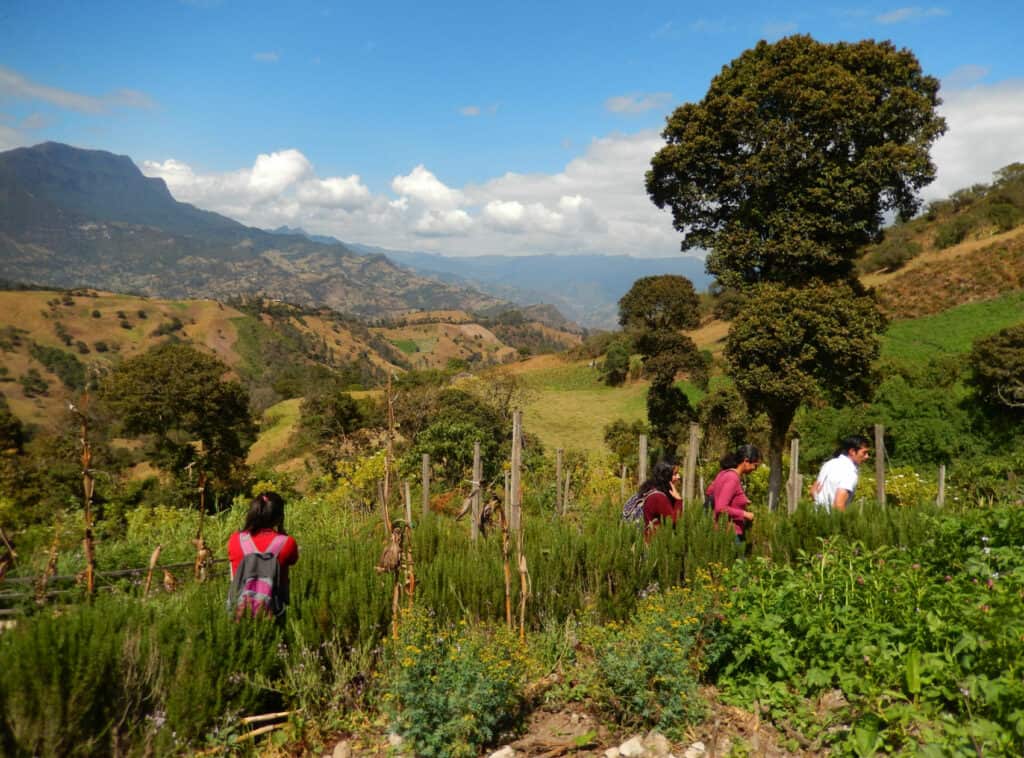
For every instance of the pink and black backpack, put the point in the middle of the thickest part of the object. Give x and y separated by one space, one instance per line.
257 589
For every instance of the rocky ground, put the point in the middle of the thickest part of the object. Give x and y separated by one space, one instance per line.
575 732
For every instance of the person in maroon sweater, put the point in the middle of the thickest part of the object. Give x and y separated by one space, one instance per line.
727 489
264 523
663 501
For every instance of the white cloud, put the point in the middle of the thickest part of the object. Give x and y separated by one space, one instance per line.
596 203
13 84
421 185
434 223
776 29
335 192
268 56
964 76
637 102
986 132
470 110
273 172
914 13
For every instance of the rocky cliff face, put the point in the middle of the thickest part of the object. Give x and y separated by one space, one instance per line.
72 217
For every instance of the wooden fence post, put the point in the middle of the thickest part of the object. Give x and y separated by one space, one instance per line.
559 453
641 469
565 495
474 527
880 464
425 479
690 471
515 522
940 500
408 502
793 491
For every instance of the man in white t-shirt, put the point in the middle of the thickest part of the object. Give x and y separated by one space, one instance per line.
837 480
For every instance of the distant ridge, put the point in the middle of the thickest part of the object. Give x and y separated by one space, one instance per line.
72 217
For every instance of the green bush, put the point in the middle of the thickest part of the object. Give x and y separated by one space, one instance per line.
953 232
647 669
451 690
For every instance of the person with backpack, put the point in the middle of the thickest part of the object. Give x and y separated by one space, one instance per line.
662 500
726 490
260 555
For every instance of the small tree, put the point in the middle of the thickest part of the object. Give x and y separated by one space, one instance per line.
789 346
615 368
178 396
653 312
997 376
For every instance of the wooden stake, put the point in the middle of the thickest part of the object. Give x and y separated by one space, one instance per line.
880 464
506 565
565 495
515 514
474 526
690 470
524 592
558 479
149 574
641 469
622 483
88 483
408 503
793 490
425 479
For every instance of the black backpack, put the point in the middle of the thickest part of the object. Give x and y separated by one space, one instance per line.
257 589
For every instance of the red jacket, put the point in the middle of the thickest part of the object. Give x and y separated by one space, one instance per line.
288 556
730 499
657 507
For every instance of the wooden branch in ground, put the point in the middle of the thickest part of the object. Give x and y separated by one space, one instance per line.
257 732
149 575
266 717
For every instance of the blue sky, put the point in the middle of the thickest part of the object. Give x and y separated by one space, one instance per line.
459 127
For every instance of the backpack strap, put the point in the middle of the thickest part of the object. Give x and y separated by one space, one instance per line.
246 543
277 544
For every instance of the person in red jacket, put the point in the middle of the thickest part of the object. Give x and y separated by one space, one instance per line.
264 523
727 490
664 501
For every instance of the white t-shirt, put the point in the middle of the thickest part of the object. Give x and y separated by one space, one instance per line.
839 473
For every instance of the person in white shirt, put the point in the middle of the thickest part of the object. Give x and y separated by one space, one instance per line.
837 480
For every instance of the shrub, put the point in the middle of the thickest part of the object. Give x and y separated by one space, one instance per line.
648 669
452 690
953 232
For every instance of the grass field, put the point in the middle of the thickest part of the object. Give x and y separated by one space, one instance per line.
952 331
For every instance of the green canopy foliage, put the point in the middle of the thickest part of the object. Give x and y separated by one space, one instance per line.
178 395
656 303
997 374
792 159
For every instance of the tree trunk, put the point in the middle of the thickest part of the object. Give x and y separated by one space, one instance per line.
780 422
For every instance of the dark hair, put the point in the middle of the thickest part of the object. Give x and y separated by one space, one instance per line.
660 478
853 442
266 511
737 456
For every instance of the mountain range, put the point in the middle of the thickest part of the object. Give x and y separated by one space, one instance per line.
71 217
586 288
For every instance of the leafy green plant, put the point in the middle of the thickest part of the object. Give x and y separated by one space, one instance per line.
451 690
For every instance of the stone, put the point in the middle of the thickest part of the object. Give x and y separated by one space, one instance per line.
658 744
696 750
342 750
632 748
505 752
395 740
612 752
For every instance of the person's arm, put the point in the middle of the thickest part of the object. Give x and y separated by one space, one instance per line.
733 498
290 552
841 499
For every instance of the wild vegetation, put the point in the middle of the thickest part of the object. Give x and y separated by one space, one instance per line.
882 629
